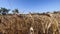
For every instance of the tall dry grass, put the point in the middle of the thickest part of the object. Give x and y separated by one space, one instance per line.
21 24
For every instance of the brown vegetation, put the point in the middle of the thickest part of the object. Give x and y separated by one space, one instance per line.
20 24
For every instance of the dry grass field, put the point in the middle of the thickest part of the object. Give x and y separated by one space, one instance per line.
30 24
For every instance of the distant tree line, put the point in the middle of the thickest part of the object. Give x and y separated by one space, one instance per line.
4 11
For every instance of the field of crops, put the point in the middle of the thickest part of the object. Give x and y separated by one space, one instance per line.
30 24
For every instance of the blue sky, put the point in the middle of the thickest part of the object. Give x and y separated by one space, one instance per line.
26 6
